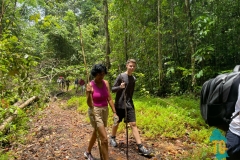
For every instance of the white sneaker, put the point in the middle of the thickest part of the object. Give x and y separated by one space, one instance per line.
88 156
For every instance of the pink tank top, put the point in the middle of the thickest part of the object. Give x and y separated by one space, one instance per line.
100 95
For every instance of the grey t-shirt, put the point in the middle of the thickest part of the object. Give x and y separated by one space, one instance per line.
128 90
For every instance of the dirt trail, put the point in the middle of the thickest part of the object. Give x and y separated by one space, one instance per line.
63 134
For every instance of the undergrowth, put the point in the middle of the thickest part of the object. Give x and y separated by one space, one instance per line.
170 118
16 130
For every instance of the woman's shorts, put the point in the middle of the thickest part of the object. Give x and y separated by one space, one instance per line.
101 116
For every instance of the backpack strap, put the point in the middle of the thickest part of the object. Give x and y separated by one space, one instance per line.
230 120
238 113
236 68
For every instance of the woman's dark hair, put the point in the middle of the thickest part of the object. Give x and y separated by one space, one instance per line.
98 68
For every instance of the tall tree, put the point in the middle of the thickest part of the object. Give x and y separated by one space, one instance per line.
1 16
191 40
107 47
160 69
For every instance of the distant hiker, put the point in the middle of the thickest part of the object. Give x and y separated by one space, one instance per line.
98 104
233 134
124 88
67 84
61 82
82 86
76 83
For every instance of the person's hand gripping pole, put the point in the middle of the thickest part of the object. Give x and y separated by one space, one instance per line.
122 85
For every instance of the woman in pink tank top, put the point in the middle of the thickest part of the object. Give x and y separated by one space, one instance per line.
98 98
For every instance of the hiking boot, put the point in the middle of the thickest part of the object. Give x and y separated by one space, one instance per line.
88 156
144 151
113 142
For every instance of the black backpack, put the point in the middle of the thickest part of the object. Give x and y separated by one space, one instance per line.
218 99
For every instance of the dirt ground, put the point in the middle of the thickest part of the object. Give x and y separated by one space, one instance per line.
62 134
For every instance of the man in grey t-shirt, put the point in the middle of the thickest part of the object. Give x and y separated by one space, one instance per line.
124 88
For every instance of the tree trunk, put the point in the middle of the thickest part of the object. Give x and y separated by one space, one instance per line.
125 40
160 69
191 42
1 17
105 4
83 53
9 119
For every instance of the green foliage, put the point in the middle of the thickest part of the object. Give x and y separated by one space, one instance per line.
50 30
173 118
17 129
165 118
4 156
18 78
17 63
200 152
73 102
41 38
83 107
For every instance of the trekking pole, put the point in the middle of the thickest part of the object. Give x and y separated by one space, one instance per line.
94 118
125 107
124 95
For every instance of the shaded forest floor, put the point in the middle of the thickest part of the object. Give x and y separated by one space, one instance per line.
58 133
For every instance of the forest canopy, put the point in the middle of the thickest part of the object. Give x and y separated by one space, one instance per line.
178 44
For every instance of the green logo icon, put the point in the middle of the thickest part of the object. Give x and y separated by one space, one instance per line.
219 142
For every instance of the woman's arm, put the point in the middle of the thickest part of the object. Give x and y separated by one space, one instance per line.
89 91
110 100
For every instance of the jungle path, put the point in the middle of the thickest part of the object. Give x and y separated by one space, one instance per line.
63 134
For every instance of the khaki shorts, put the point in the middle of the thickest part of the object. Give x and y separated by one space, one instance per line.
101 116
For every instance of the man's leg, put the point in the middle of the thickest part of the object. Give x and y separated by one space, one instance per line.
114 130
113 142
131 118
135 132
132 121
141 149
121 114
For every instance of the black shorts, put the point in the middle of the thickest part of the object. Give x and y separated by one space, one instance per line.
131 117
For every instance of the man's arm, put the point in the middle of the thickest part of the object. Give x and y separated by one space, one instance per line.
116 85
